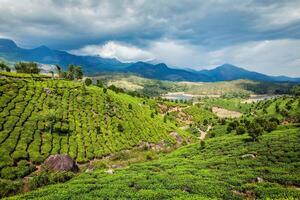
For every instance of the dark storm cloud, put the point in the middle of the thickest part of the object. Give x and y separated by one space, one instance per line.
72 24
214 27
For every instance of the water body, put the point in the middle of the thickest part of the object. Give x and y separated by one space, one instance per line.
184 96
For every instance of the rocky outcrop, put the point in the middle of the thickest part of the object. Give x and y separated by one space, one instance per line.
59 163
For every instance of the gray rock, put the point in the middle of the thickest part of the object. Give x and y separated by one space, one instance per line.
60 162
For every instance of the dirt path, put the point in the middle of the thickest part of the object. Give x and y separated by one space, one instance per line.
204 133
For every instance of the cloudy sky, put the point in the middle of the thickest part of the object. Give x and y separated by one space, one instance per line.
262 35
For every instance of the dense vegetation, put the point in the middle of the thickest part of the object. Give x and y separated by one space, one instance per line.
226 168
254 156
152 87
45 116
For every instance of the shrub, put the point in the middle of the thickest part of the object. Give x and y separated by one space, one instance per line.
8 187
240 130
255 130
270 126
88 81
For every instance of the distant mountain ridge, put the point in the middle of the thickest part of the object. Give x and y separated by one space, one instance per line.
95 64
91 64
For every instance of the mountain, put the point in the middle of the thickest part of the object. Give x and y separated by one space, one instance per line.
95 64
163 72
226 72
91 64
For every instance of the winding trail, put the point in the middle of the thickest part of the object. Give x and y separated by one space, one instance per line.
204 133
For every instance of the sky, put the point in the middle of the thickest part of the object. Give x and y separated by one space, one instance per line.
261 35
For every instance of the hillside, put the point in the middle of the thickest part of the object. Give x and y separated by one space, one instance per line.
125 143
42 117
152 87
227 167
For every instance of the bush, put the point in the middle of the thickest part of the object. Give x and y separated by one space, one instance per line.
255 130
8 187
240 130
270 126
88 81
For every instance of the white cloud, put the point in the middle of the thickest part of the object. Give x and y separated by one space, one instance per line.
122 52
274 57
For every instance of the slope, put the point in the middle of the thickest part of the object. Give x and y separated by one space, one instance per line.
220 170
42 117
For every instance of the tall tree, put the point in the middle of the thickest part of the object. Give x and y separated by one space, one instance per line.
78 73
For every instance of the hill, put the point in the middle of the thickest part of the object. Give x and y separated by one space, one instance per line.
227 166
154 87
93 65
163 72
40 117
224 72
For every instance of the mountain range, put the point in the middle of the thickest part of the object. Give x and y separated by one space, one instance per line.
93 65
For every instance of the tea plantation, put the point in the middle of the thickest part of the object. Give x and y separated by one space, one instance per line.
256 156
227 167
43 117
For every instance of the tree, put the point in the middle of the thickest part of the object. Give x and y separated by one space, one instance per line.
104 90
29 68
130 106
59 71
78 73
3 66
296 90
255 130
99 83
88 81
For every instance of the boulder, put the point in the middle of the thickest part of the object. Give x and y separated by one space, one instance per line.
60 163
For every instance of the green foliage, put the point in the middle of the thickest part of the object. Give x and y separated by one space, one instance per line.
5 67
29 68
9 187
240 130
219 171
255 130
88 81
296 90
73 72
40 118
22 169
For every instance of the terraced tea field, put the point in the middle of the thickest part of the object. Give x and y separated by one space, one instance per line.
40 118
